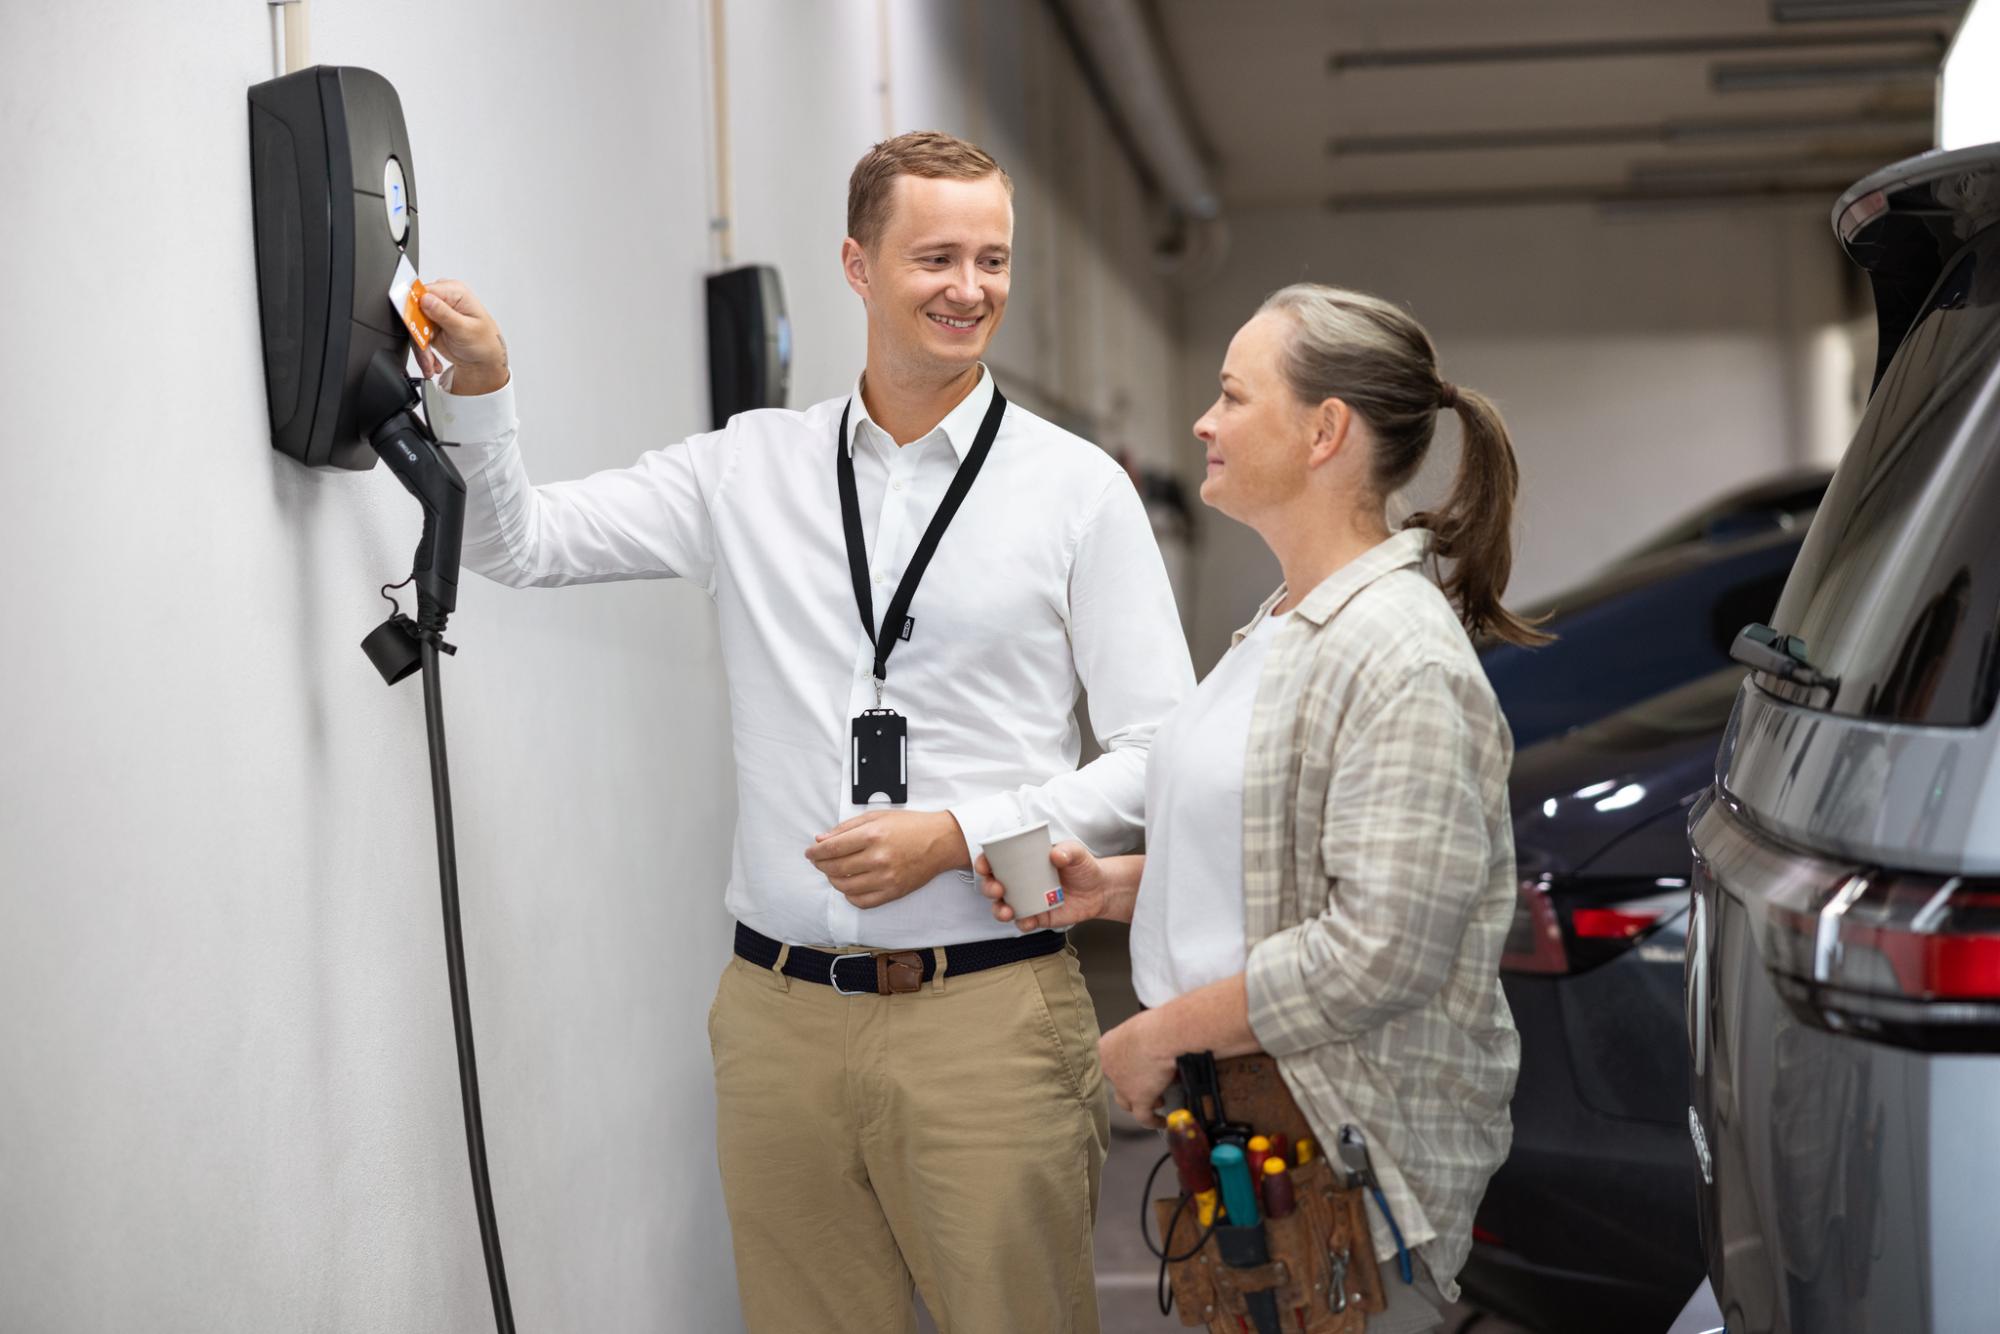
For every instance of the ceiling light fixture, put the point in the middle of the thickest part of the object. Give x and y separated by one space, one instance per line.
1712 171
1700 44
1616 198
1768 75
1826 11
1672 132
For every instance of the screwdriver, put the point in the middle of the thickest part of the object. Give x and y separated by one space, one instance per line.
1239 1197
1279 1198
1190 1149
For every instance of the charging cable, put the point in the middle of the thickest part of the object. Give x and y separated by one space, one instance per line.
398 647
454 953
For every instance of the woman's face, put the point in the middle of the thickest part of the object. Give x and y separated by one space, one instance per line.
1258 435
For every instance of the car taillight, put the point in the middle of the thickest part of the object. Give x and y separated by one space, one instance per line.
1610 923
1908 958
1570 926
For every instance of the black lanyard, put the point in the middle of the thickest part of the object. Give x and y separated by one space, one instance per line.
885 639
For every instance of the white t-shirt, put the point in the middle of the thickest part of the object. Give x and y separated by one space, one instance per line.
1187 926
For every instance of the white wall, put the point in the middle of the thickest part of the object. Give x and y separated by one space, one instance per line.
1644 361
227 1091
1089 335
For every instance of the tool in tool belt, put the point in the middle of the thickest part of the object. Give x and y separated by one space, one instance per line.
1189 1148
1279 1201
1353 1151
1302 1258
1199 1085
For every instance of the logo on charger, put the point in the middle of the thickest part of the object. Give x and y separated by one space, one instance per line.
1055 897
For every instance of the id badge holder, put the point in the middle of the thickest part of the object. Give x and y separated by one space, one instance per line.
881 768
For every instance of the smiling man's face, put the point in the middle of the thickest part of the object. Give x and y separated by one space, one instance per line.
935 283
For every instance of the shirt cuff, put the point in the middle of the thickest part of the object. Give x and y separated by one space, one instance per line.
1284 1015
982 819
468 419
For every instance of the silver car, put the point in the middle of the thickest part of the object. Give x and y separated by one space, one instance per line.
1844 953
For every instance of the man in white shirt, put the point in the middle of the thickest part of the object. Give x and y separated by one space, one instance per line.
907 1090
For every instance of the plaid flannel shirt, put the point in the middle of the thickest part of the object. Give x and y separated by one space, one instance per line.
1379 883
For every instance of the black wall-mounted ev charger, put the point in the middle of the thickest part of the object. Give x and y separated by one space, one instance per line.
749 342
334 199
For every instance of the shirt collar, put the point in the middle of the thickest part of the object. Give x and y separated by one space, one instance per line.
960 425
1399 551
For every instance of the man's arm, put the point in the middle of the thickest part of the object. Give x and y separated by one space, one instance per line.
1130 654
1132 658
650 520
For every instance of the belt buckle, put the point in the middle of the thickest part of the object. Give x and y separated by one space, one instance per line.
899 972
833 974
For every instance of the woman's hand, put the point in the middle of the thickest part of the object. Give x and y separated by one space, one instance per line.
1138 1060
1086 889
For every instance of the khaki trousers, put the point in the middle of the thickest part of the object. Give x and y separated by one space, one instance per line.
953 1137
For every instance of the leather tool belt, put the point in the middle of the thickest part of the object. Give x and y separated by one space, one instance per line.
1319 1261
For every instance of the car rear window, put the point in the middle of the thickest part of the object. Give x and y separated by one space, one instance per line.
1896 592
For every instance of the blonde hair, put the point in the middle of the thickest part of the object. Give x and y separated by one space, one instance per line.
1373 356
927 153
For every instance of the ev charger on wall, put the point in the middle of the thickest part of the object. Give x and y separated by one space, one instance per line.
749 342
334 201
335 205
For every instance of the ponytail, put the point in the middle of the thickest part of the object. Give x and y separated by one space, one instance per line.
1370 354
1473 528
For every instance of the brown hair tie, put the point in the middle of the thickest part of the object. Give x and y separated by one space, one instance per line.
1447 394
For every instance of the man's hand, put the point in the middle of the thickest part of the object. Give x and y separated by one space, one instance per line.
879 856
1085 891
1138 1061
467 337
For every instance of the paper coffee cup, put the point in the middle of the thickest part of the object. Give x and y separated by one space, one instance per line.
1020 861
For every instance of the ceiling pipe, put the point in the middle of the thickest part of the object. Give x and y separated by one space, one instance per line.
1116 41
1125 66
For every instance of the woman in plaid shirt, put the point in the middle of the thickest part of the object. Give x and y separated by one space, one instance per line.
1330 865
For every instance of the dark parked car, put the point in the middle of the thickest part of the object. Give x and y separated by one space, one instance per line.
1590 1224
1844 952
1785 502
1661 616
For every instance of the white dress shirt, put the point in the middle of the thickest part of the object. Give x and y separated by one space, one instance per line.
1047 580
1187 924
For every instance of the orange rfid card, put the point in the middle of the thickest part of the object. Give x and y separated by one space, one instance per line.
405 294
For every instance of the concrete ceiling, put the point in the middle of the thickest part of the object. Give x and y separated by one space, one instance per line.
1382 103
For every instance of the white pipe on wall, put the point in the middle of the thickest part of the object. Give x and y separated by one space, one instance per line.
291 35
298 35
723 221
